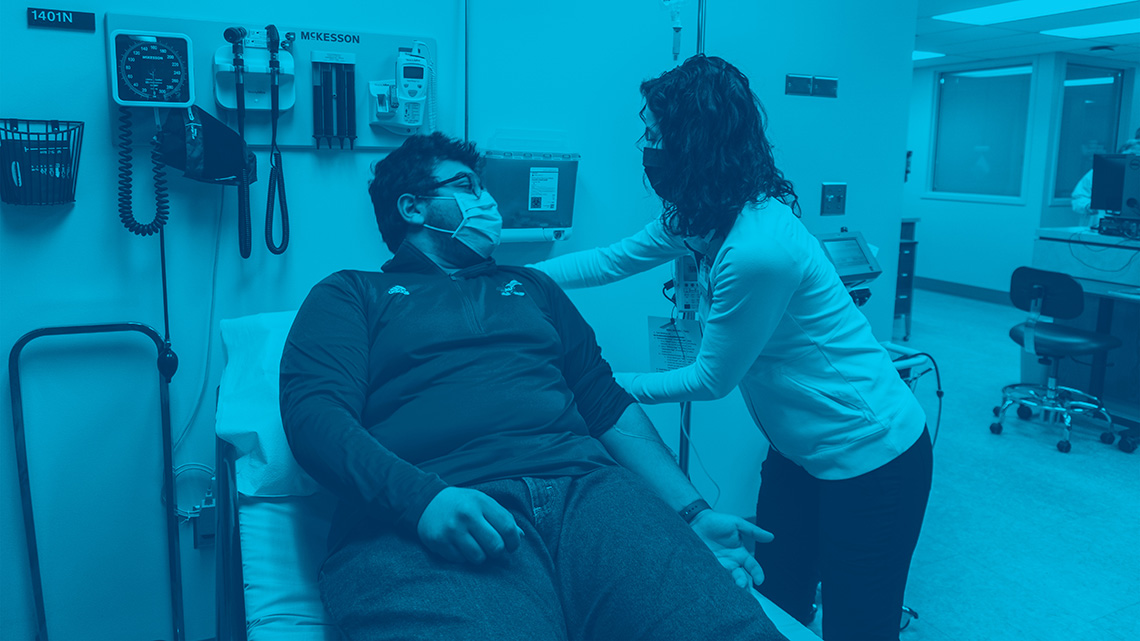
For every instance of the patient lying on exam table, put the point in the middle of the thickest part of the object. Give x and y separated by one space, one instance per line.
494 482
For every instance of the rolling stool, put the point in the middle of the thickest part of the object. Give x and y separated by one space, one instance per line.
1056 295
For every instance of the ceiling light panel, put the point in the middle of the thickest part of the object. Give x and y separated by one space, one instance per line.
995 73
1086 82
1103 30
1023 10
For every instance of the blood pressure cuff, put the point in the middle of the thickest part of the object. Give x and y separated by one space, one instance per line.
204 148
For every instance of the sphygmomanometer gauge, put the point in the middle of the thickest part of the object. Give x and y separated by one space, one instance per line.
152 70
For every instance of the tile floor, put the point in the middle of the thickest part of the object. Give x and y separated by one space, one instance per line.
1020 542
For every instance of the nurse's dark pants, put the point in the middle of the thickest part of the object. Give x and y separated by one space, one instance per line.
857 536
603 558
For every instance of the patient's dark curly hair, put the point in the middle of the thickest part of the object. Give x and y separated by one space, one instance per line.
408 170
711 126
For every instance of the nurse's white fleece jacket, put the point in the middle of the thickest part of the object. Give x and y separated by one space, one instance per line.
778 323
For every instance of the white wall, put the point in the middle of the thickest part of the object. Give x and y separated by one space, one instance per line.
572 68
76 264
857 138
978 243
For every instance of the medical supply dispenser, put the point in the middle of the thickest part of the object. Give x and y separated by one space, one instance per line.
334 98
39 161
535 192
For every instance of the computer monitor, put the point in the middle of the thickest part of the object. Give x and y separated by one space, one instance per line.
851 256
1116 184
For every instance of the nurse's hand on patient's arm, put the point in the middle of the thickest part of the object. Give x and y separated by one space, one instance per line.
729 536
624 379
464 525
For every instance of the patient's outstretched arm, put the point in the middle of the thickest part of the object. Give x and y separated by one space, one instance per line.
634 443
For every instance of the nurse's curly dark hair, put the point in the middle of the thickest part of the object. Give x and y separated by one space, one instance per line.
712 126
408 170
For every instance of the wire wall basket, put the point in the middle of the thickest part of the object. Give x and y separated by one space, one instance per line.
39 161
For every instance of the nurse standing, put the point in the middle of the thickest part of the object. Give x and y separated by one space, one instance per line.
846 480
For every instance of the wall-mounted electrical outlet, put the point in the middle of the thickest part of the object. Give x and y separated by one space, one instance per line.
834 200
205 520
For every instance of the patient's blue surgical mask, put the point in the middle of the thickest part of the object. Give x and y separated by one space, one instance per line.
482 225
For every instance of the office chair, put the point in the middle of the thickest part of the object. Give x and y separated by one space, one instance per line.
1055 295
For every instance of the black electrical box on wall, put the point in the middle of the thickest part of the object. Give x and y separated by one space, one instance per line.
824 87
795 85
819 86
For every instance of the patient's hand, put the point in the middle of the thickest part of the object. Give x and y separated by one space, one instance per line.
729 536
467 525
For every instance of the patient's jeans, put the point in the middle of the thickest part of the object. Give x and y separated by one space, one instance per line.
603 558
856 535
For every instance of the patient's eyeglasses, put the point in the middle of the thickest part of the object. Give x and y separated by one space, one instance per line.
463 181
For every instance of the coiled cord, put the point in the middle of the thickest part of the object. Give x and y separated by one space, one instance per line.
125 166
162 200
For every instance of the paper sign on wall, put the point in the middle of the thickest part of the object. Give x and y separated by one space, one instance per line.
543 194
673 343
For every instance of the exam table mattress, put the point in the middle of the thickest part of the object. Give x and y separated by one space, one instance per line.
283 543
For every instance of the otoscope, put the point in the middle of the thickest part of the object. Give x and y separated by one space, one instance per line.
236 37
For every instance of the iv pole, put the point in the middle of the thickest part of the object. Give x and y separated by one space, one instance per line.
687 407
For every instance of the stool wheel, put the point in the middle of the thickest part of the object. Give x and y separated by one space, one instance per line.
1107 437
995 428
997 411
1127 444
1064 446
1024 412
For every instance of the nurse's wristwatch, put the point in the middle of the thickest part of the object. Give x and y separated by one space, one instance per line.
690 511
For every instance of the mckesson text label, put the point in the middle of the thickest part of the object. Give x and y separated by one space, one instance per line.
321 36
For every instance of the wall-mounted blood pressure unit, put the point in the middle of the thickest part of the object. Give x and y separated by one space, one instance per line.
152 69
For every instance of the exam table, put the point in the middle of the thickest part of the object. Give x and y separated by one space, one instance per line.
273 519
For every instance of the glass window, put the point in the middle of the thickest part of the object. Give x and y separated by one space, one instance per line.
1090 117
981 129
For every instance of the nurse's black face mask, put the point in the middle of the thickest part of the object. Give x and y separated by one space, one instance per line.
656 170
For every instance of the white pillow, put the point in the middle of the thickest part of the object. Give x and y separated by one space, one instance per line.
283 514
249 414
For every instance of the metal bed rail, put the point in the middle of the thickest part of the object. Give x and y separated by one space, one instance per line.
230 582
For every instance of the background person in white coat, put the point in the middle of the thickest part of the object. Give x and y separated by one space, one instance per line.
1082 193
